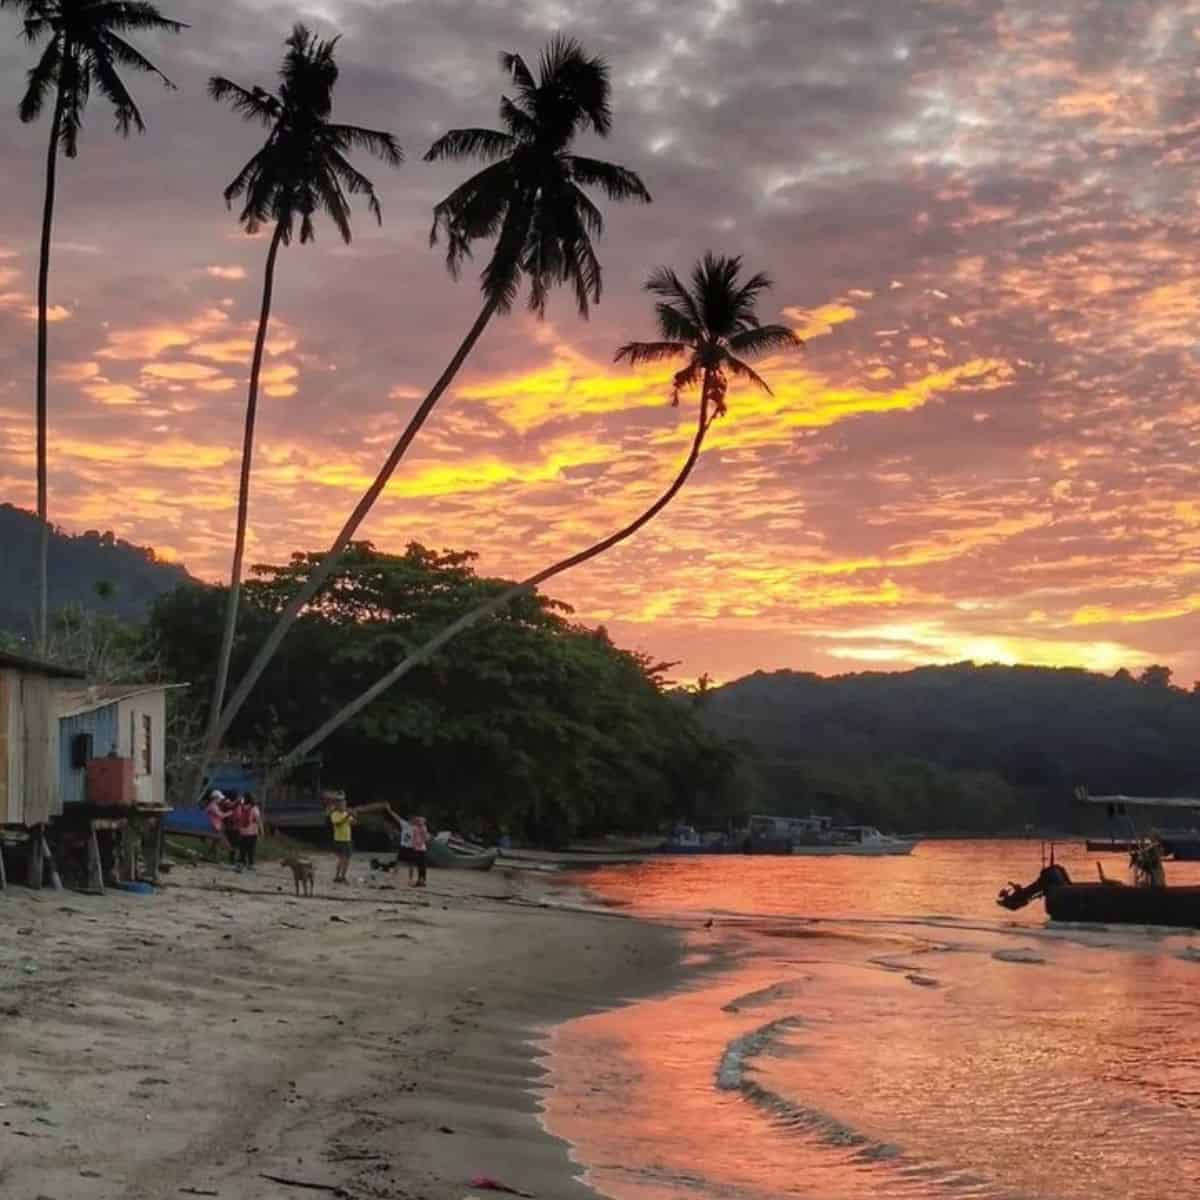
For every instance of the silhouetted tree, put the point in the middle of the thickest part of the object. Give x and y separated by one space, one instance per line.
1155 676
302 169
531 199
85 46
713 322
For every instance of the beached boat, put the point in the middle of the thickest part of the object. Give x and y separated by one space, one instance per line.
460 855
863 840
1110 845
1183 845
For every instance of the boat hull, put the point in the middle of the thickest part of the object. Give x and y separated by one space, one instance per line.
1183 849
444 856
885 850
1109 904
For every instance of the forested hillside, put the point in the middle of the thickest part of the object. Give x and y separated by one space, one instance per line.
94 570
962 747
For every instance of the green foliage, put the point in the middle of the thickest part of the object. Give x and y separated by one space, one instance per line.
527 723
963 747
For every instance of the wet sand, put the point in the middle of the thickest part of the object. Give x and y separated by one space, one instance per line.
375 1042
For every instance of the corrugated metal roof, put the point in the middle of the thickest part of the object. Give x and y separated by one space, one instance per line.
72 703
37 666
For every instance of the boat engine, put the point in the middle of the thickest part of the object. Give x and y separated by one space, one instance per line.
1015 896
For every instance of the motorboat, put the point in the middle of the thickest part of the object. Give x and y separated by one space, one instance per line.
863 840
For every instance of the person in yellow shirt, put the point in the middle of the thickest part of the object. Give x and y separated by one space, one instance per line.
342 821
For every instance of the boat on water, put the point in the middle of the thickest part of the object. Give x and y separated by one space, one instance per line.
1148 900
685 840
863 840
1183 845
818 837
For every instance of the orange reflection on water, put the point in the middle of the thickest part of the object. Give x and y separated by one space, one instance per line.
888 1050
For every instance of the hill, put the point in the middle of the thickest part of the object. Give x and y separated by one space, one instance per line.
966 747
96 571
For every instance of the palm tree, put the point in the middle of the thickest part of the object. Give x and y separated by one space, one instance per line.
712 323
85 46
301 169
530 198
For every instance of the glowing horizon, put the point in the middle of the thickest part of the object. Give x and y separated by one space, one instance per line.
987 451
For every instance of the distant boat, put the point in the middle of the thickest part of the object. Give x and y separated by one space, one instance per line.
1183 845
685 840
863 840
818 837
1110 845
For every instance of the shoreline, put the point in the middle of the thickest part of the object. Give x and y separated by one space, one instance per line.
375 1043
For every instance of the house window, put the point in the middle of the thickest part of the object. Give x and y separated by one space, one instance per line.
146 743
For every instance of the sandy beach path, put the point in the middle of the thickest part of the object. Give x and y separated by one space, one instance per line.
374 1043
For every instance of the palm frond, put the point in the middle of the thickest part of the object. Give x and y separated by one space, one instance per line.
376 142
136 15
502 275
333 201
120 51
677 326
255 104
663 282
744 371
617 183
42 77
514 66
487 144
762 339
474 210
589 214
356 183
517 121
688 377
566 73
636 353
112 88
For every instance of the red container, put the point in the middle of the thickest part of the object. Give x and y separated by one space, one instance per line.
110 782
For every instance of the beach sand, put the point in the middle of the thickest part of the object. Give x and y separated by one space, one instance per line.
374 1041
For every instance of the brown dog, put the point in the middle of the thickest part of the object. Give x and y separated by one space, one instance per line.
303 873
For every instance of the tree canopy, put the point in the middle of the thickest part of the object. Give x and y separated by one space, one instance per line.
529 722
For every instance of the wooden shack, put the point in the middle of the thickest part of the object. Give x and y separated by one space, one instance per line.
30 692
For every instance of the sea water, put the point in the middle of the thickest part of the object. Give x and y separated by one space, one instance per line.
880 1028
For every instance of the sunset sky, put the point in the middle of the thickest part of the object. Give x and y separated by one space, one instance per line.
983 216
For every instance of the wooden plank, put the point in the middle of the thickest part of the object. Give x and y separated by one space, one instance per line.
95 869
55 878
34 879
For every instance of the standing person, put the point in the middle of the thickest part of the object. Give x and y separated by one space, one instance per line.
232 836
420 848
249 827
343 843
214 809
405 853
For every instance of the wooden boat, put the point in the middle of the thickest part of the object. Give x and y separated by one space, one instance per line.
459 855
1107 902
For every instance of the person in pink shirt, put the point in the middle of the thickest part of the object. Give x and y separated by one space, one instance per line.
216 810
420 848
249 817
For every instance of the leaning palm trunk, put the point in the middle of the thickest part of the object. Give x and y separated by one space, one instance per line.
222 718
239 542
43 318
481 611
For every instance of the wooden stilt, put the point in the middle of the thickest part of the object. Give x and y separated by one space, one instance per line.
35 858
95 870
55 878
129 843
3 877
154 845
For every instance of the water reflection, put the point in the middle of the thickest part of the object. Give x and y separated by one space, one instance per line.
913 1041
